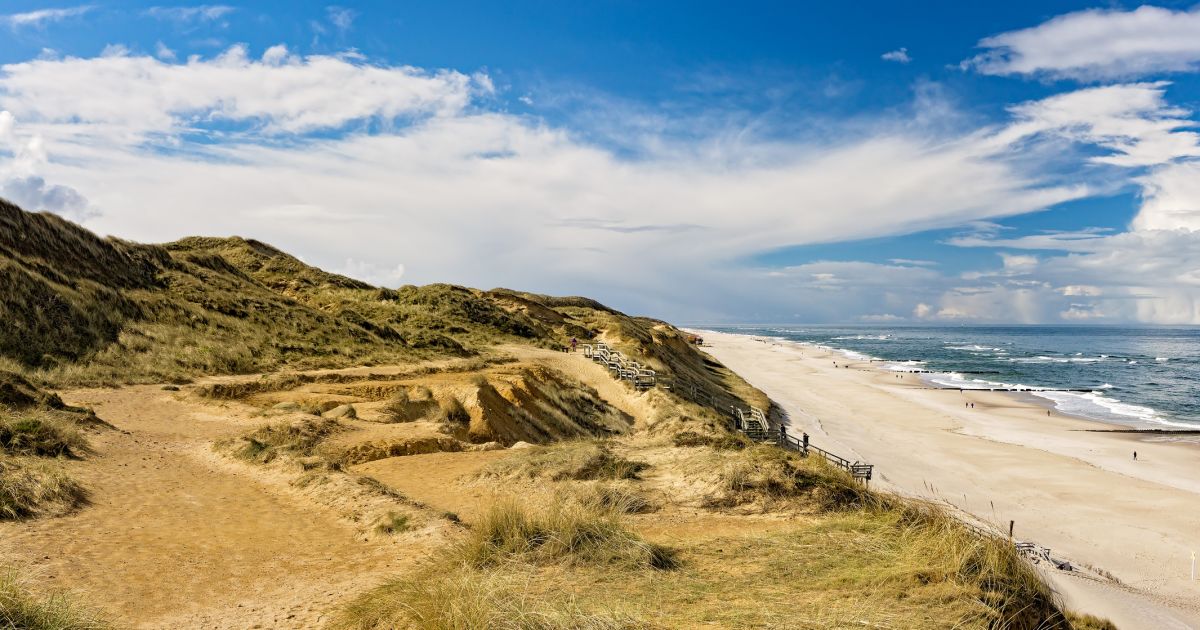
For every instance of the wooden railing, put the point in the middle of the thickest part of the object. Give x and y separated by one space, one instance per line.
753 424
622 367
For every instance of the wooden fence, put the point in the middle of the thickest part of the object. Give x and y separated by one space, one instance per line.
622 367
753 424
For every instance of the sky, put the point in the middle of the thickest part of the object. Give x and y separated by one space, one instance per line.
701 162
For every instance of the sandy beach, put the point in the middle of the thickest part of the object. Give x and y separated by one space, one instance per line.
1067 484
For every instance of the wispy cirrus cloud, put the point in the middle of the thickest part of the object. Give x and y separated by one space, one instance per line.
1096 44
200 13
41 17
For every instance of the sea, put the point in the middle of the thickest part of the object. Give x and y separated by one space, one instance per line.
1144 378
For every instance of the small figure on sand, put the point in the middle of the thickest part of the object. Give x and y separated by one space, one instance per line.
1135 456
574 342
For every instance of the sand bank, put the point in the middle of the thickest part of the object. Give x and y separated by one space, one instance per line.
1066 486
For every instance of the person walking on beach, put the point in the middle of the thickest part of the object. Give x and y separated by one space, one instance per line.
574 342
1135 456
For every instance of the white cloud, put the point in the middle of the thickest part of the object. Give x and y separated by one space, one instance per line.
459 193
371 272
33 193
163 52
127 94
1170 198
1133 121
200 13
1097 44
41 17
341 18
900 55
1081 290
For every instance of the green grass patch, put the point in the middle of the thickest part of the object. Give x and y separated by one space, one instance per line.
393 523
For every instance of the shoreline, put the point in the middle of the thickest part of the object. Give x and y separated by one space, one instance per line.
1069 482
1026 393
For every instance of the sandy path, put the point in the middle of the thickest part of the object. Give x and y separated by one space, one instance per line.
439 480
174 538
1076 492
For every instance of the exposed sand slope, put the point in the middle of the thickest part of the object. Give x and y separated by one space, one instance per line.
178 537
1078 493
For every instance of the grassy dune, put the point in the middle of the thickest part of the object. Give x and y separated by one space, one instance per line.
664 520
845 559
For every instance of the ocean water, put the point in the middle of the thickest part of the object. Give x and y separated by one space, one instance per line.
1138 377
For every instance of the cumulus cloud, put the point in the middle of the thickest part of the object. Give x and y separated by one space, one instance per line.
1170 198
1097 44
139 95
41 17
34 194
900 55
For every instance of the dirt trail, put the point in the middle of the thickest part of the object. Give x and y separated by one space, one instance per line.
174 538
439 480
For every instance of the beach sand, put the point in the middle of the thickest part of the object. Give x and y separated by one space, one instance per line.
1066 485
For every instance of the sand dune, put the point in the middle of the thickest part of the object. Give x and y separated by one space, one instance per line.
1079 493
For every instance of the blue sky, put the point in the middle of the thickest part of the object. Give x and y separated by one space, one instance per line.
784 162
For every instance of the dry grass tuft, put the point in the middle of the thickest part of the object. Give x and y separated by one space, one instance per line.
767 476
616 497
578 460
461 600
23 610
726 442
30 487
560 532
451 410
297 439
39 433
